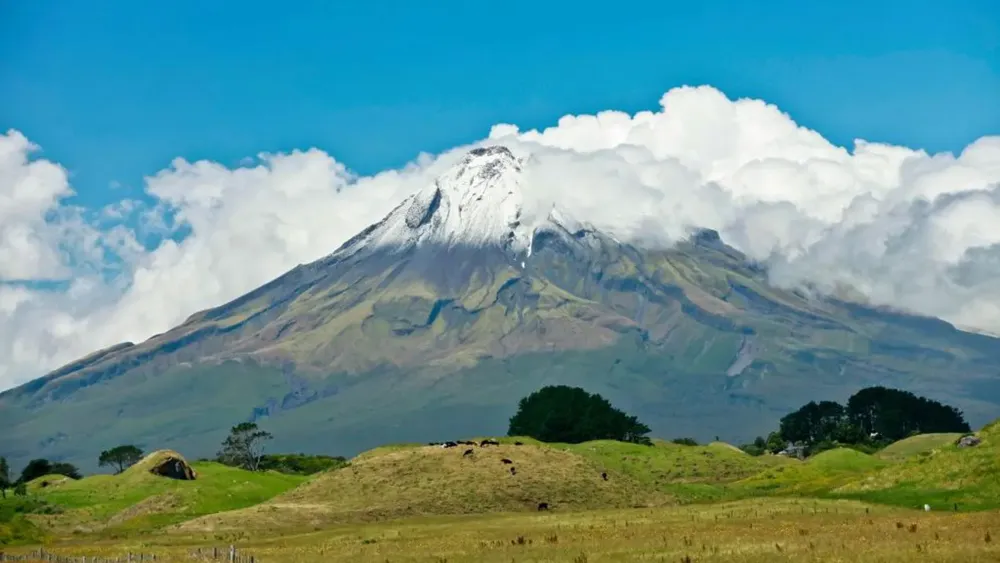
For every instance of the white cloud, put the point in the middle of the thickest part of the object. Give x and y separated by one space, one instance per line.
906 228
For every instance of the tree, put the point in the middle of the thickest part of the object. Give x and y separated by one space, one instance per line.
893 414
569 414
39 467
120 457
814 422
245 446
35 469
4 477
67 469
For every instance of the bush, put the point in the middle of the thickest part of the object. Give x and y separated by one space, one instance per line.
300 464
572 415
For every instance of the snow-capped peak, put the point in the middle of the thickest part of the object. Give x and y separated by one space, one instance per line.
477 202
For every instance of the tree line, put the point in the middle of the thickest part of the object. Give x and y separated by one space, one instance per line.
873 418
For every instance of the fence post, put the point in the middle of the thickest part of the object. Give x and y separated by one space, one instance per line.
232 554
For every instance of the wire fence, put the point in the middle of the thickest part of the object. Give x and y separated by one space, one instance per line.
228 553
42 555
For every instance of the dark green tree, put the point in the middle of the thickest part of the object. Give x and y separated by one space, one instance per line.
120 457
4 477
893 414
244 447
67 469
35 469
20 490
814 422
561 413
39 467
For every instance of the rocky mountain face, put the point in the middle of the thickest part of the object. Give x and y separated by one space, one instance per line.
433 322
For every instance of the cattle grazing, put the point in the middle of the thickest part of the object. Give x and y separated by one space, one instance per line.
513 471
506 461
604 476
488 442
543 506
518 443
467 453
448 445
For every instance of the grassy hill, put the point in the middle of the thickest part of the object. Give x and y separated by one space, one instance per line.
409 500
942 477
408 480
817 475
402 481
917 445
138 501
685 473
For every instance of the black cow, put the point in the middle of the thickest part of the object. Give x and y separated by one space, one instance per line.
518 443
449 445
543 506
604 476
467 453
488 442
506 461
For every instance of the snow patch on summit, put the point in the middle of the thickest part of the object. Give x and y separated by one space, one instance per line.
479 202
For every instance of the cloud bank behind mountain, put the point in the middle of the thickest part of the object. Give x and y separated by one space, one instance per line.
897 225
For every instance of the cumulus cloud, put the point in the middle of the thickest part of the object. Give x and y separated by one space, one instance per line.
902 227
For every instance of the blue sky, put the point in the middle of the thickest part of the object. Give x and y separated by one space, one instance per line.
114 90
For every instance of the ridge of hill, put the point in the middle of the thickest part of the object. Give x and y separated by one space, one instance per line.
943 476
407 480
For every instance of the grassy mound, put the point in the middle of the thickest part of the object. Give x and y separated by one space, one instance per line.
155 463
138 501
397 482
942 477
916 445
817 475
688 473
46 481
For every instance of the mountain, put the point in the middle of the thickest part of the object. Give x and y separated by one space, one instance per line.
433 322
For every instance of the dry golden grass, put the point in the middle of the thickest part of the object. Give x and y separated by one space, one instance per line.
430 480
750 531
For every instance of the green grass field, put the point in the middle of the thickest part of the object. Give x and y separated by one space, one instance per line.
137 501
665 502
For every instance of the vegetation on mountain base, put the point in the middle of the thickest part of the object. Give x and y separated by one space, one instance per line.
571 415
873 418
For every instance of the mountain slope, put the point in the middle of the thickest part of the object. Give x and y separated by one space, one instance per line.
463 299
